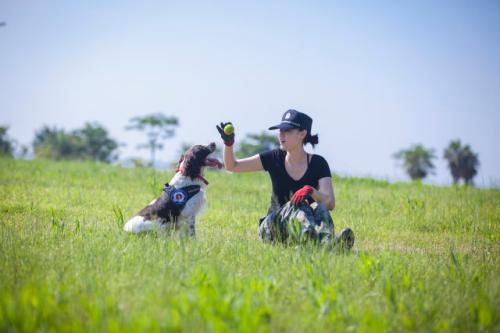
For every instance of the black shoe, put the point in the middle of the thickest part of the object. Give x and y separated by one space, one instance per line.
345 239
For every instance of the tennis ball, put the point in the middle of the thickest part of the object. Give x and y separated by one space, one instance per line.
228 129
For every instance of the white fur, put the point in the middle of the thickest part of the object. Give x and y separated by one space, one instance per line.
138 224
187 219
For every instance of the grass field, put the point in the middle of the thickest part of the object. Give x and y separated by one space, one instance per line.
426 258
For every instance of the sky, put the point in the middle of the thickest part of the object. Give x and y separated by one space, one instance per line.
376 76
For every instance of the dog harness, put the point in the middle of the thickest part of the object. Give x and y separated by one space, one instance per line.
179 196
176 200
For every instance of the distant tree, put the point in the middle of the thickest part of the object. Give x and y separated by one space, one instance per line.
452 155
96 144
256 143
90 142
462 162
6 143
56 144
417 161
157 127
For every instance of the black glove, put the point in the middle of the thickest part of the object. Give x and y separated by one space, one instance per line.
227 138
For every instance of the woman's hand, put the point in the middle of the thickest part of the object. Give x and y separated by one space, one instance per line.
227 134
301 195
324 194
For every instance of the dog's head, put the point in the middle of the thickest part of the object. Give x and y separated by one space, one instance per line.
192 161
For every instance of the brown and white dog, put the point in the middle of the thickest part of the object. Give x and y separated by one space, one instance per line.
181 199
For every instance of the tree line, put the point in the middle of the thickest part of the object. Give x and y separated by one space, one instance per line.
93 142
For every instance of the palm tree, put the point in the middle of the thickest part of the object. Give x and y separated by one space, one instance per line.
452 155
462 162
470 165
417 161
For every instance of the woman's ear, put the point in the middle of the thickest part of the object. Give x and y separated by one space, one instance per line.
303 134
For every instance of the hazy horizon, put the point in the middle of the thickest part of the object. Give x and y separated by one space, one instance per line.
375 77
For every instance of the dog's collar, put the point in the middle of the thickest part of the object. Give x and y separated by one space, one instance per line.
181 170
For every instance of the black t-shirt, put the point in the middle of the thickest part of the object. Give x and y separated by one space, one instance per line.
284 186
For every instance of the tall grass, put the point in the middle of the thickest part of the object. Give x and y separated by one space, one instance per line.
426 258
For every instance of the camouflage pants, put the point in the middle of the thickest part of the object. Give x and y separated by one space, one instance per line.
302 223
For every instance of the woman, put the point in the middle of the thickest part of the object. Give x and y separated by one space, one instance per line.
301 183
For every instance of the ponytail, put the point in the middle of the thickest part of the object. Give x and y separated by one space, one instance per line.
312 139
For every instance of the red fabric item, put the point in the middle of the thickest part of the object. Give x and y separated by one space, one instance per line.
301 194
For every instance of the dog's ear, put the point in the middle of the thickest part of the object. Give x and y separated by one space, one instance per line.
191 166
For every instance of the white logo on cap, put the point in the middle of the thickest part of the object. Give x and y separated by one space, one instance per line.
288 115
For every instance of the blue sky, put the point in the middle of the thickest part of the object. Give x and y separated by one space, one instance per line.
375 76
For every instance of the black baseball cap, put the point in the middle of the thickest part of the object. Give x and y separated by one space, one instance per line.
294 119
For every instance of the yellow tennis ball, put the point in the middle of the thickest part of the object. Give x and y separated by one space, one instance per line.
228 129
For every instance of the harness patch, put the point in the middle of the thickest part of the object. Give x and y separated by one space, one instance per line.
179 197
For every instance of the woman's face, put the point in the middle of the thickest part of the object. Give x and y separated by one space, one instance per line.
291 138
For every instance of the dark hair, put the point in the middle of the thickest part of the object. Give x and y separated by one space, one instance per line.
312 139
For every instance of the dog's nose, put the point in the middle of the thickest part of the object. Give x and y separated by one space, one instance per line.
211 146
